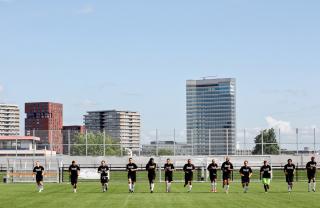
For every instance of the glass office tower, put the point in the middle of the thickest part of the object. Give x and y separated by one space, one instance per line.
211 116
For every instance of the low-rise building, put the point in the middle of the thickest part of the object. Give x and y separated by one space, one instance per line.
22 146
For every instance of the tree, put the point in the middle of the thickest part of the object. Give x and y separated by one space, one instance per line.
94 145
270 145
164 152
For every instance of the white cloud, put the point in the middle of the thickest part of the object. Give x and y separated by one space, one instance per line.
1 88
284 126
85 9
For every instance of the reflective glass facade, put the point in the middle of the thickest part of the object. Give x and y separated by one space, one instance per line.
211 116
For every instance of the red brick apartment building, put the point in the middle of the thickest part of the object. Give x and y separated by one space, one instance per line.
45 120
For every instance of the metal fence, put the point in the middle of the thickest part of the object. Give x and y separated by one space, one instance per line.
56 169
173 142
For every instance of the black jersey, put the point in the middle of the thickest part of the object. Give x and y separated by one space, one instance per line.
227 167
168 168
103 170
265 171
38 170
188 168
289 169
73 169
245 171
311 167
151 168
131 168
212 168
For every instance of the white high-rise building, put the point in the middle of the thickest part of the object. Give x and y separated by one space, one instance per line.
121 125
9 120
211 116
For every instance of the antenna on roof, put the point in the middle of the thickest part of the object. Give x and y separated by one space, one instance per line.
206 77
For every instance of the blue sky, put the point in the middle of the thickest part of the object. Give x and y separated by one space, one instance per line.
136 55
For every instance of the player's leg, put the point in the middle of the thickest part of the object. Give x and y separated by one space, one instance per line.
38 185
130 184
133 181
41 185
152 184
265 186
314 184
309 183
212 184
74 184
228 184
247 185
291 183
244 186
190 184
224 184
107 184
185 180
169 183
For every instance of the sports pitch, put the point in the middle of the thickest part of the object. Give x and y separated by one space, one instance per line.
89 195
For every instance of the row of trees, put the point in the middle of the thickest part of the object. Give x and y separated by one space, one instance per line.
93 145
112 146
269 140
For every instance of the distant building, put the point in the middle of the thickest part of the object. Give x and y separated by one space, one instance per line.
45 120
174 148
211 116
9 120
120 125
21 146
305 151
69 134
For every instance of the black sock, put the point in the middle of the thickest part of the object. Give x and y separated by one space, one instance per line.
265 188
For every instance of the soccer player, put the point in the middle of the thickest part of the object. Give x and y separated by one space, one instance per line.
265 175
104 175
151 168
311 172
168 174
289 170
246 173
188 174
74 171
38 172
227 169
212 168
131 168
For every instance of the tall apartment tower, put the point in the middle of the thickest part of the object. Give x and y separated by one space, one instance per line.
120 125
45 120
9 120
211 116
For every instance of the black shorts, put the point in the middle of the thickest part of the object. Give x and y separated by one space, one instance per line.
245 180
168 177
311 176
213 178
188 177
104 179
151 177
39 178
74 180
289 178
226 176
132 177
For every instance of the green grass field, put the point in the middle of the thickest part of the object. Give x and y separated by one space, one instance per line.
89 195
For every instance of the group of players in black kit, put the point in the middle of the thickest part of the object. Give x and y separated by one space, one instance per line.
226 168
